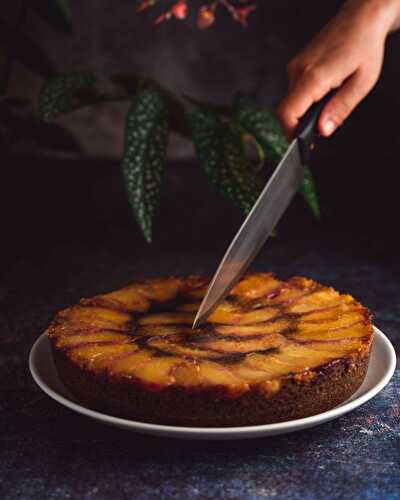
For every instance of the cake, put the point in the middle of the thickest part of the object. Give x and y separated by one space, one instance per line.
272 351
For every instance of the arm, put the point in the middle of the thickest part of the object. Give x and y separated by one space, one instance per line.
347 53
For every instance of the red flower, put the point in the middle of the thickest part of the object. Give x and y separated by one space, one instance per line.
179 9
205 17
243 12
163 17
144 4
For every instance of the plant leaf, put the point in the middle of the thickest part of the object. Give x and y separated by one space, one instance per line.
131 83
55 12
309 192
250 143
65 92
146 134
26 51
220 151
265 128
263 125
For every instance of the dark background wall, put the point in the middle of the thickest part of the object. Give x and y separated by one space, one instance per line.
357 171
212 64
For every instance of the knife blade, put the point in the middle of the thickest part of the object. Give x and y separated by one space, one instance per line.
264 215
258 225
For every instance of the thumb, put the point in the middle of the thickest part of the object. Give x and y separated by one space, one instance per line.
342 104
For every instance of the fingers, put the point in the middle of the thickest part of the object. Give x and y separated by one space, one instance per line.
343 103
346 55
310 87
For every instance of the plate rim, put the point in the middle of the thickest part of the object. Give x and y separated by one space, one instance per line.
217 432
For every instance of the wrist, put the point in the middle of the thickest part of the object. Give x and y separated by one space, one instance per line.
395 5
385 13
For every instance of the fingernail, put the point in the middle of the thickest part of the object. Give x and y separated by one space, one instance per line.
329 127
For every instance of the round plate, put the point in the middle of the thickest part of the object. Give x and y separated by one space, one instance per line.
381 367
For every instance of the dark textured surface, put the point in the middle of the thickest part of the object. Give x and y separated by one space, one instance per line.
69 234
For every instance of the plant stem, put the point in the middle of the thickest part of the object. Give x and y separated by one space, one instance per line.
9 64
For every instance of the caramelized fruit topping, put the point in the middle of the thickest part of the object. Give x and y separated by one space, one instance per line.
266 329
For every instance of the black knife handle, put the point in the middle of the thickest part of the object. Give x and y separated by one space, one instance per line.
307 131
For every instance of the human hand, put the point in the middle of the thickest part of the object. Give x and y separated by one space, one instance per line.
347 53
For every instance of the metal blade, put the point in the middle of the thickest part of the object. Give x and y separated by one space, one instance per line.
259 224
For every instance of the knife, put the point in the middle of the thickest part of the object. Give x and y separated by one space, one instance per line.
265 213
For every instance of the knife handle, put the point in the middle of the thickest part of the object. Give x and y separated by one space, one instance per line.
307 131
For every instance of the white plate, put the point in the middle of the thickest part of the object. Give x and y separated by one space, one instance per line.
381 367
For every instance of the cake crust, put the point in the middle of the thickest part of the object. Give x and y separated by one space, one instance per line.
273 351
